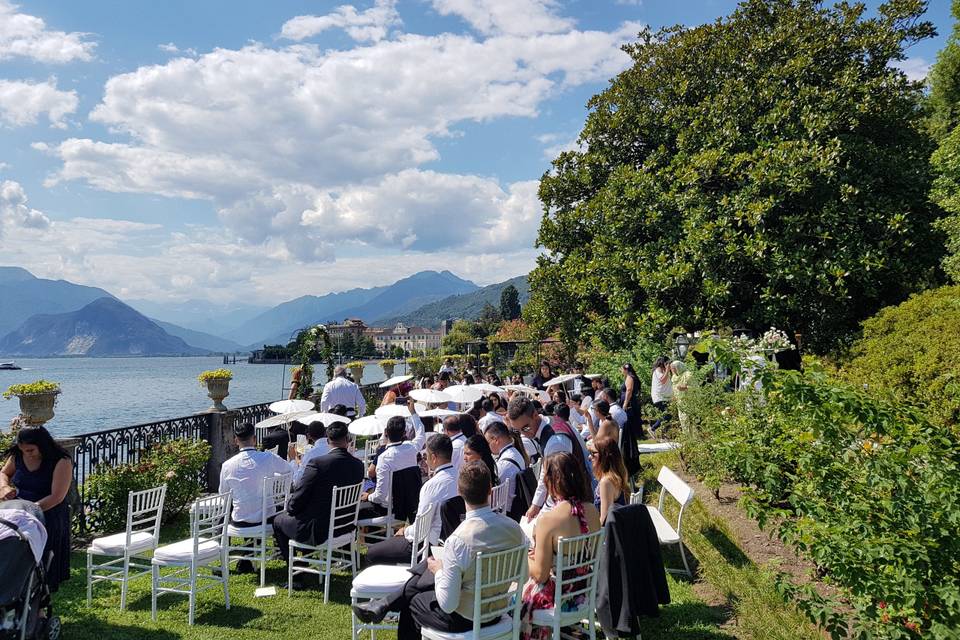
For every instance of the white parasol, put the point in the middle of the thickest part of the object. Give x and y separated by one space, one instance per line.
438 413
395 380
592 376
464 394
521 388
367 426
289 406
430 396
283 419
486 388
390 410
561 380
326 418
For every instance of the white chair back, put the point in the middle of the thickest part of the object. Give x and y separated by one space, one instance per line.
346 506
500 577
370 450
276 492
208 520
144 511
680 490
576 555
421 534
637 496
500 496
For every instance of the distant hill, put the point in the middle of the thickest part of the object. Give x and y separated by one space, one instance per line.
467 306
105 327
23 295
370 305
200 339
199 315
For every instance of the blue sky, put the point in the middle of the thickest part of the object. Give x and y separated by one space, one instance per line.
256 151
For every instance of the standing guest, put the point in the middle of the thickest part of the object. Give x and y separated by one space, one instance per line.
454 431
516 379
544 375
307 518
295 378
661 391
39 470
630 398
447 604
681 381
573 515
399 454
499 404
511 459
317 437
468 425
611 475
476 410
438 489
616 411
243 476
340 390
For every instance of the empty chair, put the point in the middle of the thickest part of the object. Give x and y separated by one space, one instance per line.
670 483
637 496
128 549
575 575
496 594
338 551
207 545
276 492
500 497
381 580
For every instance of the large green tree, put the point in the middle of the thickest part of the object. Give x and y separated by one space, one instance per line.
945 126
770 168
510 303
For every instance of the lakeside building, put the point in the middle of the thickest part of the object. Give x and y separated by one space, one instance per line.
350 326
410 339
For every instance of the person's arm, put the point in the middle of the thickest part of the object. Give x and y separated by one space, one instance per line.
383 472
7 490
302 492
606 490
419 434
542 560
591 425
450 575
628 383
62 475
539 496
325 398
223 478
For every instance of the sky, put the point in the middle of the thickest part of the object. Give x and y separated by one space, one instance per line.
247 151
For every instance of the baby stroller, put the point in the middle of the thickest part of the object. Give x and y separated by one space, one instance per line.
25 609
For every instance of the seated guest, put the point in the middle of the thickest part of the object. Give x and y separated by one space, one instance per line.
489 414
452 427
307 518
511 460
606 426
438 489
616 411
453 511
399 454
447 604
573 515
243 475
317 437
611 475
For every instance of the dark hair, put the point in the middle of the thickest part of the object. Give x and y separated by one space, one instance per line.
468 424
610 393
339 409
602 407
496 402
519 405
478 444
243 430
440 446
561 395
451 423
337 432
468 379
566 478
445 376
317 431
562 411
476 408
41 439
662 361
486 404
537 405
474 483
498 428
629 369
544 363
396 429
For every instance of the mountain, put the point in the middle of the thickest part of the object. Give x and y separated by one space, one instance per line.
370 305
23 295
199 339
105 327
199 315
466 306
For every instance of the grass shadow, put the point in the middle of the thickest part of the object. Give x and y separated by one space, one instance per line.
688 621
725 546
110 631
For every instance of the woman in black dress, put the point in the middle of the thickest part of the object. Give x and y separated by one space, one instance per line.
37 469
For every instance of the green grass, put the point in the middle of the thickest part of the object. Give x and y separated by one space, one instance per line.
748 607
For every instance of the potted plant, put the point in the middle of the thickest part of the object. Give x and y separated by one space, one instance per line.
356 368
218 386
388 366
36 400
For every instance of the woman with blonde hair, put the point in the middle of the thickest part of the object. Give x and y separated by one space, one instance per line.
611 474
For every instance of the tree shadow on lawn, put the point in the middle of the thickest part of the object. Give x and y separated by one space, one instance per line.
688 621
725 546
90 626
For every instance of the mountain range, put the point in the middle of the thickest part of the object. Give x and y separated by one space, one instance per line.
468 305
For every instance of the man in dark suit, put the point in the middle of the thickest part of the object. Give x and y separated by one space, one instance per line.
307 518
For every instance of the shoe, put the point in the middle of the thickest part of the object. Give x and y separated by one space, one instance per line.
372 611
244 566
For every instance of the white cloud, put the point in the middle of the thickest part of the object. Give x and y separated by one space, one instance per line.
23 35
371 25
555 144
22 103
916 69
516 17
15 212
173 49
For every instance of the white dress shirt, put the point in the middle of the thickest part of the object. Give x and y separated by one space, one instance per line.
660 391
488 417
320 447
618 414
243 475
342 391
457 441
509 465
397 456
435 491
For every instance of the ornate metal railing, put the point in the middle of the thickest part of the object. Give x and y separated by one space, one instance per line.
253 413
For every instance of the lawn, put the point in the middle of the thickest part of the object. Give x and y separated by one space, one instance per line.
732 598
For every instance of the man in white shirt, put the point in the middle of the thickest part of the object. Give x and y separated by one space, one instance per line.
616 411
441 486
340 390
447 367
489 415
448 605
510 462
451 427
317 437
243 476
398 455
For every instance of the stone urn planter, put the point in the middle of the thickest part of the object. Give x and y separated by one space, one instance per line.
388 367
218 386
36 400
356 369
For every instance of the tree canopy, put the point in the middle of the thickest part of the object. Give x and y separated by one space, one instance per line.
945 125
770 168
509 303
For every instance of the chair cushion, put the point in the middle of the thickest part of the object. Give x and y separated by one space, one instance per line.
502 628
380 578
113 545
665 532
378 521
256 531
181 551
339 541
544 617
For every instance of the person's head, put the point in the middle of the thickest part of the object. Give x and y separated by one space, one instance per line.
523 415
496 402
439 450
468 424
566 478
34 443
562 411
661 363
451 425
474 483
448 362
337 435
608 461
560 396
597 383
627 370
586 391
486 405
476 448
610 395
244 435
316 432
578 367
497 436
396 429
545 370
677 367
468 379
340 371
445 378
602 408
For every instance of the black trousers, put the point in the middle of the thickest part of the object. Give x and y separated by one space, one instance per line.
370 510
284 530
418 607
395 550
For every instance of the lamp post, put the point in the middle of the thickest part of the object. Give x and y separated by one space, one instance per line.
681 346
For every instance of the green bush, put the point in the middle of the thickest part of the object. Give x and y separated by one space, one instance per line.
912 352
178 463
641 354
867 488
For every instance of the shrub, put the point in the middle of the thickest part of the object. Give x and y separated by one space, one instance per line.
178 463
31 389
912 352
641 354
215 374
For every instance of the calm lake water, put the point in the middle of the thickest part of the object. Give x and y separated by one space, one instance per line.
104 393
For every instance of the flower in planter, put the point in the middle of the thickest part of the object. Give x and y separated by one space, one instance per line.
40 387
215 374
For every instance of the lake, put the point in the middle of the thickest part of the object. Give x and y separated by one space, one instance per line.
104 393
